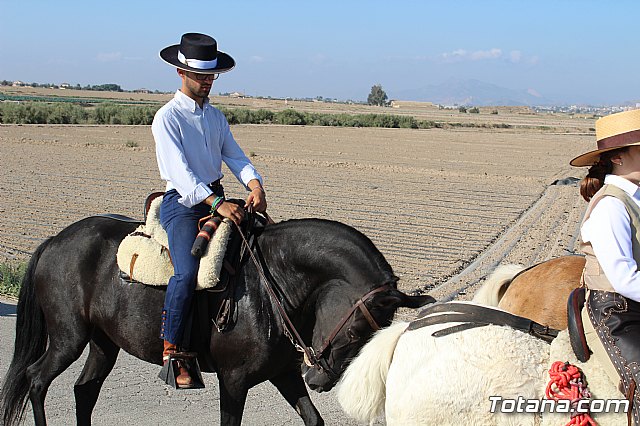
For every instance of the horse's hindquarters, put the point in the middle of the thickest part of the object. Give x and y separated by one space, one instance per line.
80 291
541 292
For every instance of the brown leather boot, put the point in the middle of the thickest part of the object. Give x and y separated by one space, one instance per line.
183 379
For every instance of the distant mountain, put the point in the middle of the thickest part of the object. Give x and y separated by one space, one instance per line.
470 92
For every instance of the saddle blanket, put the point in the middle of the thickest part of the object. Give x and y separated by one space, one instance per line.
144 255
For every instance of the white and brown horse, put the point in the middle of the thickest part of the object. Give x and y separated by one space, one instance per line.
539 293
414 378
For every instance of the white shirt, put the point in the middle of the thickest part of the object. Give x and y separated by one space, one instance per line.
608 229
191 143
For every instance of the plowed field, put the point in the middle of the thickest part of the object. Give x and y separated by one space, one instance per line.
434 201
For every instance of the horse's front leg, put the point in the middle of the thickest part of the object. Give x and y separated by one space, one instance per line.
292 387
233 395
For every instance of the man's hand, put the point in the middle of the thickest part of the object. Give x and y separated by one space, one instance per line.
232 211
257 199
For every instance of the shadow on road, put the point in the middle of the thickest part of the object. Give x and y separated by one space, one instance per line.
7 309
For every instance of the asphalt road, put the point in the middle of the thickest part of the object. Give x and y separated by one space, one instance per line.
134 395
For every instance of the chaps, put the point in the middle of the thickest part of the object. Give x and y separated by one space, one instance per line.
616 319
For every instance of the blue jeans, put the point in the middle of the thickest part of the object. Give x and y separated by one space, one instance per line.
181 224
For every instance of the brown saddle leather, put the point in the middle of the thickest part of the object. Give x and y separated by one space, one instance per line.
575 302
147 203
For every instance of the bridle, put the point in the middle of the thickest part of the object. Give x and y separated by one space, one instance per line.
313 358
320 360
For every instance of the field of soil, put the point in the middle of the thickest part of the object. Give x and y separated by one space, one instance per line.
436 202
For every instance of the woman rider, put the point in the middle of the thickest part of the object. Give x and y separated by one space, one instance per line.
610 234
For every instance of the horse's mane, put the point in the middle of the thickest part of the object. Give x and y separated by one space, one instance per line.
327 230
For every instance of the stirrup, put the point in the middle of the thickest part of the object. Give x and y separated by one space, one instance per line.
170 370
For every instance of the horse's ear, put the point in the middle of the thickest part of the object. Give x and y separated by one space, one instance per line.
399 299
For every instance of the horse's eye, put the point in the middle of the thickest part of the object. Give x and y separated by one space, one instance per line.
351 335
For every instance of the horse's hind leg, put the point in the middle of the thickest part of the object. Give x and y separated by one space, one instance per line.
291 386
60 354
103 354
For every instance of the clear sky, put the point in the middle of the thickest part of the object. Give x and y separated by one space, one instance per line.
570 51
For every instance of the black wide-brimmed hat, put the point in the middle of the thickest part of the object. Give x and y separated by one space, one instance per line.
198 53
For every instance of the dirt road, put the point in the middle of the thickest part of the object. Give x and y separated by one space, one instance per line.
134 395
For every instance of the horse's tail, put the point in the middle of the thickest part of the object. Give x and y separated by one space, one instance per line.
493 289
362 389
30 344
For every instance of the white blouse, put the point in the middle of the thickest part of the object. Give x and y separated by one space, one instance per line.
608 229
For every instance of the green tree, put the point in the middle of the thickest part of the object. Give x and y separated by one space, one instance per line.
377 96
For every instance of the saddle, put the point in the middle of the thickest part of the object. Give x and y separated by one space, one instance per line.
575 327
143 256
221 304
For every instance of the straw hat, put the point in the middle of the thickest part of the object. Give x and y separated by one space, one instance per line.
198 53
612 132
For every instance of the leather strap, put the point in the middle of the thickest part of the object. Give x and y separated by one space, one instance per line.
477 316
227 265
575 302
372 322
269 220
133 262
358 305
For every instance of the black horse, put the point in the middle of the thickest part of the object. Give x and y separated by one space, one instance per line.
73 295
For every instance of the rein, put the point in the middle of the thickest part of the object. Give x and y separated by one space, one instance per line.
311 357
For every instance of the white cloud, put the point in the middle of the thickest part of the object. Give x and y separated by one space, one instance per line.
478 55
486 54
459 54
109 57
463 55
256 59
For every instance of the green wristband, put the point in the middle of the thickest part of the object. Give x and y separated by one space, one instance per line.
216 203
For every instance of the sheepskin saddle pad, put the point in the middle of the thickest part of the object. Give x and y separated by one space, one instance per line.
144 256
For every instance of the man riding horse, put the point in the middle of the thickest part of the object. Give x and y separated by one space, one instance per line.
192 139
